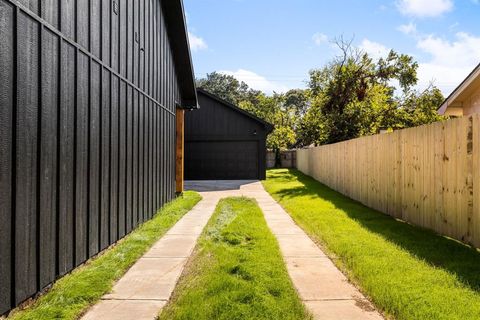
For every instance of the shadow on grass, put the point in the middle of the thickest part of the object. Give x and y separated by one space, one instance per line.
439 251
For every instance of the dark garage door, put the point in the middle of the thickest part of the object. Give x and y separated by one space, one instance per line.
225 160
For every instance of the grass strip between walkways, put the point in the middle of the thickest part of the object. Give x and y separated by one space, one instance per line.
73 294
236 272
409 272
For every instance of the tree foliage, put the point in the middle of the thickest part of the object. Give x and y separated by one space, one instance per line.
355 96
352 96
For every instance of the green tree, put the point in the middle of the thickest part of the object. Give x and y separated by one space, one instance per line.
227 87
354 96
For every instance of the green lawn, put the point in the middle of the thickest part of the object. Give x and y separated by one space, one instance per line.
74 293
237 271
409 272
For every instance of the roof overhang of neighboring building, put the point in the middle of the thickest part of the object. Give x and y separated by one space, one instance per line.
453 105
268 126
177 32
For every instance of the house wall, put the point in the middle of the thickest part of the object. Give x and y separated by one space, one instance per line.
472 105
87 132
215 122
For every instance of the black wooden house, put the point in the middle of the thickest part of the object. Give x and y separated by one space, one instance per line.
88 97
224 142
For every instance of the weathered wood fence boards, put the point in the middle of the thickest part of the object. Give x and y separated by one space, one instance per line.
87 132
428 176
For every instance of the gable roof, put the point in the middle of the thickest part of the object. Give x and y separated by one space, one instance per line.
268 126
466 84
178 35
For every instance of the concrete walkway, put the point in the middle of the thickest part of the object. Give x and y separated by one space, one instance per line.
323 288
143 291
148 285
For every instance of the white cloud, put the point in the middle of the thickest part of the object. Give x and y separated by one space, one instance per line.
408 29
319 38
196 43
450 61
424 8
374 49
256 81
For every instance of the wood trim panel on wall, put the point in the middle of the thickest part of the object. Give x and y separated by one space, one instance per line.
180 150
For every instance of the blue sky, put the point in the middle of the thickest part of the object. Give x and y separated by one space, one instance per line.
272 44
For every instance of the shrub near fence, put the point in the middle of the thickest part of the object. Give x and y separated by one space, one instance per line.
428 175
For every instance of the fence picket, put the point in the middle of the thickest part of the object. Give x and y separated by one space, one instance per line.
428 175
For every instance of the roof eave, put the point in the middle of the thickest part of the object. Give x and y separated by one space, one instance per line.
455 93
268 126
178 35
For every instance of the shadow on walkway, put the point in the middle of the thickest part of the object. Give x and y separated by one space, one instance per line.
216 185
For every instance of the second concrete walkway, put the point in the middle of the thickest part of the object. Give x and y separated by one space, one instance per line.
323 288
143 291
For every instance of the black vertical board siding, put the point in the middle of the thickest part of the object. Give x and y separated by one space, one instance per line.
145 159
164 155
130 40
86 136
81 164
50 12
106 28
105 190
68 18
48 158
141 24
6 150
135 158
161 157
94 160
157 176
122 168
129 161
163 73
115 36
114 152
67 160
95 27
83 23
154 48
150 158
32 5
170 157
159 56
136 40
141 119
148 47
123 37
155 156
26 158
151 75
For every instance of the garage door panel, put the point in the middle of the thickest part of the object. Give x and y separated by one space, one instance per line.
221 160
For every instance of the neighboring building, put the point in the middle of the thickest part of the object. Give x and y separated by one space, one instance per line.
223 141
88 99
465 100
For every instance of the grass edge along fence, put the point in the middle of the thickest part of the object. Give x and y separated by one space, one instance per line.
428 175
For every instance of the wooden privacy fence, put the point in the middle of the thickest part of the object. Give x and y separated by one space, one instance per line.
428 175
